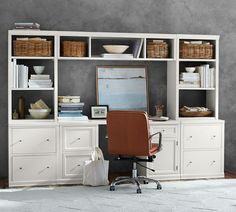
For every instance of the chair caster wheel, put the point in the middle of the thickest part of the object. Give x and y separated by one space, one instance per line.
145 182
112 188
159 187
139 191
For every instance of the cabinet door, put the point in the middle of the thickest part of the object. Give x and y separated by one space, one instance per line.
201 163
167 160
202 136
33 140
79 138
33 168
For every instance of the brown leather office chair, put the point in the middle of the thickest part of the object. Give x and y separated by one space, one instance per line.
129 138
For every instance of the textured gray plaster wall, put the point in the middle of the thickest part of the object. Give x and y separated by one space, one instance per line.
157 16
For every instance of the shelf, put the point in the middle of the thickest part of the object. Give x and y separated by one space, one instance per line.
198 89
32 58
118 59
197 60
32 89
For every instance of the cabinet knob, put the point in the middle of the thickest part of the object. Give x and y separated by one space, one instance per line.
20 168
47 139
78 165
78 139
47 167
190 136
20 141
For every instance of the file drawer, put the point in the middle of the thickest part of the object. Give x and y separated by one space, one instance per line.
34 168
167 131
202 136
73 165
202 162
79 138
34 140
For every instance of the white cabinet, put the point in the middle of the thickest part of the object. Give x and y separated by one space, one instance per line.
33 154
166 163
77 140
202 152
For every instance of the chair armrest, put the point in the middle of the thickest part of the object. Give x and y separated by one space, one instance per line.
160 139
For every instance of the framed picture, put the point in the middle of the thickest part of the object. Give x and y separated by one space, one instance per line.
122 87
99 111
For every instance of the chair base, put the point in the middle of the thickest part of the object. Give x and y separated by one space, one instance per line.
134 179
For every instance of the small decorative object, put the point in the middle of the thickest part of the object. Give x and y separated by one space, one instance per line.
190 69
21 107
15 115
39 69
99 111
159 110
195 111
115 49
39 113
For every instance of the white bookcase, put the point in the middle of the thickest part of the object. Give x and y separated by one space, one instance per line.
50 151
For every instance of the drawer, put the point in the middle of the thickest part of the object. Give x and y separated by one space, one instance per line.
79 138
167 131
34 140
73 165
34 168
201 162
202 136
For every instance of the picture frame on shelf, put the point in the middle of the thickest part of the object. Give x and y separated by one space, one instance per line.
99 111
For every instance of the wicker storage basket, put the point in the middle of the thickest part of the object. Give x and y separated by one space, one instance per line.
32 48
196 51
157 49
74 48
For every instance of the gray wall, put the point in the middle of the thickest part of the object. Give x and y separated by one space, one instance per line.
157 16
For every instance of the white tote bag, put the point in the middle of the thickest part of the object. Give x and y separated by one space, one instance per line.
95 171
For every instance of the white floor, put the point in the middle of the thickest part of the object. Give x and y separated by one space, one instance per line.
197 195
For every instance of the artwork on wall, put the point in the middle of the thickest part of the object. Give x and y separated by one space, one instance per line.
122 87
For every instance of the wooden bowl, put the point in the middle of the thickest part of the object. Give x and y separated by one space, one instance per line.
195 114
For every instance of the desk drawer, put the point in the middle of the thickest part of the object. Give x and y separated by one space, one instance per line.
202 136
79 138
34 168
34 140
167 131
201 162
73 165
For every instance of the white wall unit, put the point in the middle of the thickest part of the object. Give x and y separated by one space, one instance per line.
44 152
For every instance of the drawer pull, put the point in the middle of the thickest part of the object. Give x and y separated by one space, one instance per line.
20 168
213 162
47 167
78 139
47 139
189 163
213 137
78 165
20 141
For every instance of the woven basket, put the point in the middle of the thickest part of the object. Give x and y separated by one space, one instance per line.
32 48
157 49
196 51
74 48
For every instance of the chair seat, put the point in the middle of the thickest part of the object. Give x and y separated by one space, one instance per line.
154 149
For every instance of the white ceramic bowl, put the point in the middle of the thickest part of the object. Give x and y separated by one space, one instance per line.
115 49
39 113
39 69
190 69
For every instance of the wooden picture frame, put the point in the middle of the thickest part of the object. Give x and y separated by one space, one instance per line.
99 111
122 87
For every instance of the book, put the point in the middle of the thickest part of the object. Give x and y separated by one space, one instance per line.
79 118
137 48
71 104
123 56
39 76
22 76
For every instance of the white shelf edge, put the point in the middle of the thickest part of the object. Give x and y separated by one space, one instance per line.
198 89
32 58
32 89
197 60
120 59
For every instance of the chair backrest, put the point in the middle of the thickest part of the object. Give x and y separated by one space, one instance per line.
128 133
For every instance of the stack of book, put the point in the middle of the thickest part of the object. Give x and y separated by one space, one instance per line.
189 80
207 75
71 107
34 26
19 75
40 81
